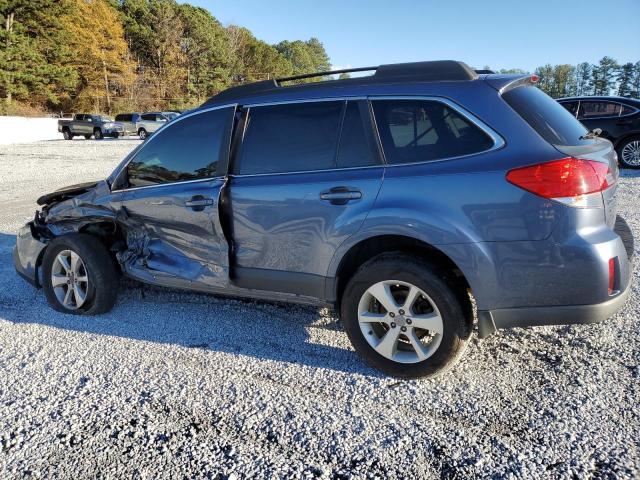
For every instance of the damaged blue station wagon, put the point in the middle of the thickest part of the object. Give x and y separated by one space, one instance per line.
395 198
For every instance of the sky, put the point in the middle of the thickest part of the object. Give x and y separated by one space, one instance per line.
495 33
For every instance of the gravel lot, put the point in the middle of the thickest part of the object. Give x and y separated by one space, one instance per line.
173 385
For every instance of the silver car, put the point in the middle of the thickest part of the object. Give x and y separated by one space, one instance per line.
141 124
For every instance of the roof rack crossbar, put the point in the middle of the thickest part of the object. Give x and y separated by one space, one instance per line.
323 74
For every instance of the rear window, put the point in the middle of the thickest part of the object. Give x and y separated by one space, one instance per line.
546 116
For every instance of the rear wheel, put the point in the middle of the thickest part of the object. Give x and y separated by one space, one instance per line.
142 133
629 152
67 135
97 133
87 137
79 276
403 318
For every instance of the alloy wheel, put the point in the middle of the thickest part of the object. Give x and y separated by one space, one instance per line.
69 279
631 153
400 321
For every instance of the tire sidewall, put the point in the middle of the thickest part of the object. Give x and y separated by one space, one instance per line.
456 330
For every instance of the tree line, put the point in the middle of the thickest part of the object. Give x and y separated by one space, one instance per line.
128 55
607 77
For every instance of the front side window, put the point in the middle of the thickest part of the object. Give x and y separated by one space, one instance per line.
598 109
414 131
290 138
188 149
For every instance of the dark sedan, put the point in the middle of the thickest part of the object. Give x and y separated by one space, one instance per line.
617 117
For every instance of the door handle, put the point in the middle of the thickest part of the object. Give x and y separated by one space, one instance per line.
198 203
340 195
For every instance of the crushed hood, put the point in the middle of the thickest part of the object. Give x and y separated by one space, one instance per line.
66 193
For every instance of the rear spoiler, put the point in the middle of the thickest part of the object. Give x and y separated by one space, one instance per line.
504 83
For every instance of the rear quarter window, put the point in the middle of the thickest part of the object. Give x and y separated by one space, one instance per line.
546 116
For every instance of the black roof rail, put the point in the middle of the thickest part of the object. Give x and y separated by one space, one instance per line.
431 71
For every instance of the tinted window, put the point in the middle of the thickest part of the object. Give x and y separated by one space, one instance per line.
120 118
355 149
626 110
421 130
572 107
186 150
546 116
598 109
149 116
290 138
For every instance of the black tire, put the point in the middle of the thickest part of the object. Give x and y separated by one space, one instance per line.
102 289
87 137
97 133
407 268
66 133
625 143
142 134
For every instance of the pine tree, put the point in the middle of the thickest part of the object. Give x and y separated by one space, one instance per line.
624 79
582 78
603 77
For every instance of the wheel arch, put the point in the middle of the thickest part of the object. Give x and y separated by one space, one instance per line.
626 136
367 248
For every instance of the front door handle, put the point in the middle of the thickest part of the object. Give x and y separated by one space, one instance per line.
198 203
340 195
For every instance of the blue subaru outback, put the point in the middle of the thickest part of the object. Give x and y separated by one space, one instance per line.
417 201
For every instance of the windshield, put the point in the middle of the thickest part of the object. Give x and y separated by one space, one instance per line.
546 116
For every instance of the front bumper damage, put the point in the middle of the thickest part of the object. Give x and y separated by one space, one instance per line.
27 255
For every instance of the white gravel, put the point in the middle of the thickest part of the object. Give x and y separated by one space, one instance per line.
178 385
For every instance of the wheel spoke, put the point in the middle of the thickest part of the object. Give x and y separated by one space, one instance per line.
78 294
430 321
58 279
67 297
75 262
417 345
64 261
388 345
82 278
369 317
381 291
414 293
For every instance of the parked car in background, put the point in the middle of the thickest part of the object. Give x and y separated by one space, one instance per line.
142 124
88 125
171 115
617 117
390 198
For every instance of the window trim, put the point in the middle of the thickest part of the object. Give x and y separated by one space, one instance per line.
154 136
498 141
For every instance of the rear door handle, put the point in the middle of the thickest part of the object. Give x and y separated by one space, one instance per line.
340 195
198 203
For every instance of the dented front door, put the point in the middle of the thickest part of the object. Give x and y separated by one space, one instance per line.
171 199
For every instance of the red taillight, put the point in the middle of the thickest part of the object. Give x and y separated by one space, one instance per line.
612 275
567 177
534 78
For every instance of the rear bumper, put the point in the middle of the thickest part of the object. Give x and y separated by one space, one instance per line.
491 320
27 255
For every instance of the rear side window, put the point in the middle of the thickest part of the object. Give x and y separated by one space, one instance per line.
149 117
599 109
546 116
290 138
572 107
168 158
414 131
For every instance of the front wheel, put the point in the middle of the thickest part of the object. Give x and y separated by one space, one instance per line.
629 152
67 135
403 318
142 133
97 133
79 276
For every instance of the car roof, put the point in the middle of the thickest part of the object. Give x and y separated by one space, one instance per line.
401 73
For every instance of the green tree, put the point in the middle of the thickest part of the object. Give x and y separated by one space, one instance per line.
624 79
33 57
305 57
564 81
252 59
546 81
583 78
635 81
603 76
